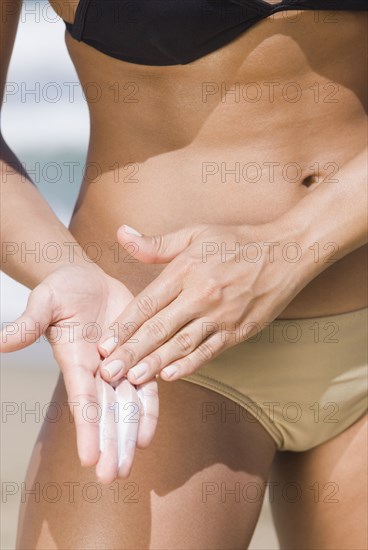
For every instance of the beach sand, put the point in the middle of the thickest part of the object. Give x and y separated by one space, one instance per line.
28 382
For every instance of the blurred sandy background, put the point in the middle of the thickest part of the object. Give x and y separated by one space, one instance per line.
45 128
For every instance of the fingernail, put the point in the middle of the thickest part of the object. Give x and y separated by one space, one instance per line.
109 345
132 231
139 370
169 371
112 368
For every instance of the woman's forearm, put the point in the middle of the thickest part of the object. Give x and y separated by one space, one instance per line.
33 240
331 221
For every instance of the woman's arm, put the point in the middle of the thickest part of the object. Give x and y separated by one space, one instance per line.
331 221
28 223
34 242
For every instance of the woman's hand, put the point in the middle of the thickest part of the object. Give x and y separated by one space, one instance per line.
72 307
222 285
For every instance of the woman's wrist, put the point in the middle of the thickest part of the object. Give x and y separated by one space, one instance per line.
285 244
31 260
300 249
327 224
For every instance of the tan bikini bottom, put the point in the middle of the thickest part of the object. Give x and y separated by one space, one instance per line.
304 380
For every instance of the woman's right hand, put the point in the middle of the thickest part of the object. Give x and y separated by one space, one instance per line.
73 306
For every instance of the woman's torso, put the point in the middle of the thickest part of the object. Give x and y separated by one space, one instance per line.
226 139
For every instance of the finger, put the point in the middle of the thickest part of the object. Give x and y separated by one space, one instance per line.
159 249
181 344
151 335
128 421
33 322
107 466
149 405
204 353
157 295
82 399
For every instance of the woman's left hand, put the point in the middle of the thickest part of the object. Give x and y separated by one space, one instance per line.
223 285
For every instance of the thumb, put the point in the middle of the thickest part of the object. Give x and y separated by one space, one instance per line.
33 322
158 249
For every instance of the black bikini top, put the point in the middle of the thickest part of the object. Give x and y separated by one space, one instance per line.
176 32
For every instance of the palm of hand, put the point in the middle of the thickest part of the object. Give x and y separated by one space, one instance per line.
77 305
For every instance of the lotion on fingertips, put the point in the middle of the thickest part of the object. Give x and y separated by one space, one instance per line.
128 422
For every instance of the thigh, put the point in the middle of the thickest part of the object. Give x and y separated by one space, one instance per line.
326 504
199 484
